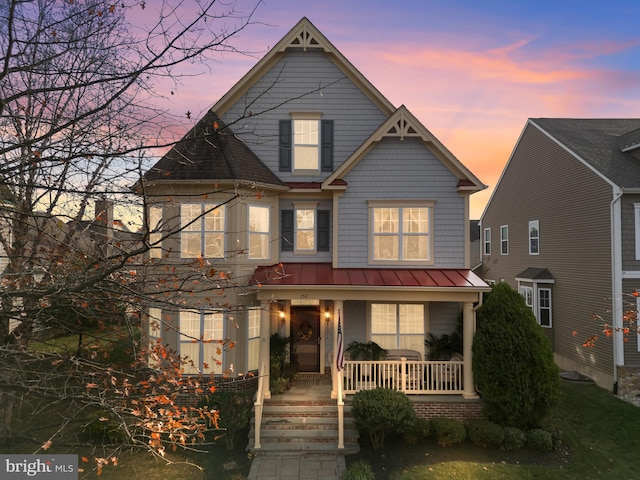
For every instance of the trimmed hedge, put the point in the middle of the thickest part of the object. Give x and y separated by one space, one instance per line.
540 440
448 431
485 433
417 431
514 439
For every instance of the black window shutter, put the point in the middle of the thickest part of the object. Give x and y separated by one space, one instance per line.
327 146
285 145
286 230
323 230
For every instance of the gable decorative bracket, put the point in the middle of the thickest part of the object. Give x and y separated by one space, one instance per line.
306 37
402 126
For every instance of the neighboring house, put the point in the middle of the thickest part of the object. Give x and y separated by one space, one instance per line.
332 205
563 227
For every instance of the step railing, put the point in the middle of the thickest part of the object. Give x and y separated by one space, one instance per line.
258 407
340 401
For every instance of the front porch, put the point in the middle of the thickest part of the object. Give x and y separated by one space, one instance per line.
322 309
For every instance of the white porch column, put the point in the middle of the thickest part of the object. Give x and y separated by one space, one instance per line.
265 347
468 329
337 307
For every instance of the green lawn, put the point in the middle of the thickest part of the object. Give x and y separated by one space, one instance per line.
601 436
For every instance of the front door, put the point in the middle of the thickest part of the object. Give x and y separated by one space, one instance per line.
305 326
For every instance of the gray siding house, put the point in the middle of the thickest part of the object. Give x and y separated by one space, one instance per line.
563 227
327 206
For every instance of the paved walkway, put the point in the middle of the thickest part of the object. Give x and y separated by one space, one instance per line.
305 466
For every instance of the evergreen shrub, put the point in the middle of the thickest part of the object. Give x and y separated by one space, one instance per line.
513 362
382 411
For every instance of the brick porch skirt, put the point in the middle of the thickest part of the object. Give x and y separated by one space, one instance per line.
451 406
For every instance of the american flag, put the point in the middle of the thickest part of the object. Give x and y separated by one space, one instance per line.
340 347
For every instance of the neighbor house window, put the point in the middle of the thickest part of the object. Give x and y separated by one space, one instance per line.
544 307
398 325
201 336
534 237
154 333
253 340
306 143
155 231
259 232
527 293
504 240
202 233
305 230
487 241
400 233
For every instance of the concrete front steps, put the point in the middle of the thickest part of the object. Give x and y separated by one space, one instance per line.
294 427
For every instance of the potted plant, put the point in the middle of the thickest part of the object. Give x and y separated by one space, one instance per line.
365 351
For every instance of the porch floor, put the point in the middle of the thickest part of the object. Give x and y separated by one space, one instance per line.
309 386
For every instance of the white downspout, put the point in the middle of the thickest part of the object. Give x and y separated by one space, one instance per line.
616 287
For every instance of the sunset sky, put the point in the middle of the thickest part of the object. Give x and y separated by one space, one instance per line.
471 71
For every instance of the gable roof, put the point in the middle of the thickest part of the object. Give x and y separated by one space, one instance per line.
303 36
210 151
604 144
402 124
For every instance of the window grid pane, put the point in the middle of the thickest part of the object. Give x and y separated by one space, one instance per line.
258 232
401 233
306 144
202 234
305 229
383 318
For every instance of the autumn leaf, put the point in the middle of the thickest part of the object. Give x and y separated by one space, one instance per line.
47 445
85 460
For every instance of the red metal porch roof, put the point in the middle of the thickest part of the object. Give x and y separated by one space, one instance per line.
322 274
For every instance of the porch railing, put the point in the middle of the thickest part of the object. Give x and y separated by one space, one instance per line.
412 377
